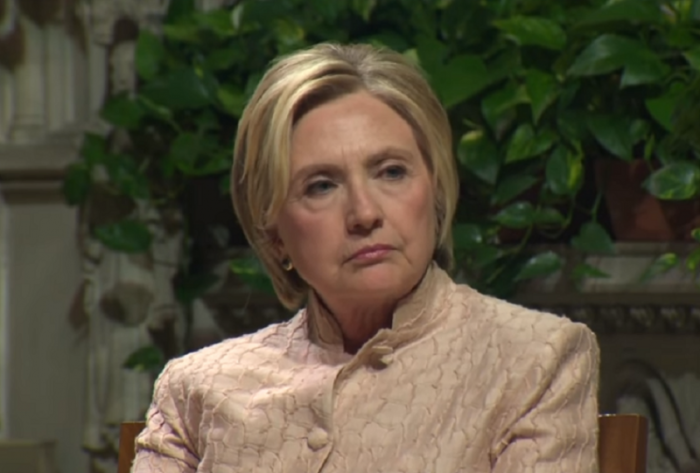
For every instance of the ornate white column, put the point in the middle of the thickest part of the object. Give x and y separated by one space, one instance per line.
52 82
56 82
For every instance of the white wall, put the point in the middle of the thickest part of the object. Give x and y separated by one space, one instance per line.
44 355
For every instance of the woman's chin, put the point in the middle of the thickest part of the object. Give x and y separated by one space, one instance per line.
377 277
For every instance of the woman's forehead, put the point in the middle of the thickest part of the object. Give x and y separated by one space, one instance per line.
356 126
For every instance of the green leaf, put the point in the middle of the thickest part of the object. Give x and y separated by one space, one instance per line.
288 32
610 52
569 92
179 90
146 359
389 39
207 122
693 57
543 90
193 286
77 183
250 271
363 8
225 185
223 58
525 144
675 181
125 174
477 153
94 149
180 10
649 147
564 172
549 216
661 265
593 238
573 124
617 134
662 108
252 83
647 70
122 112
495 105
667 152
679 36
185 151
467 236
128 236
233 100
159 112
535 31
197 155
511 187
541 265
692 262
696 234
516 215
431 53
218 21
462 78
625 11
189 32
585 270
484 256
328 12
148 55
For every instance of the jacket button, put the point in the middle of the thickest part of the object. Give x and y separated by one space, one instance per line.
383 356
318 438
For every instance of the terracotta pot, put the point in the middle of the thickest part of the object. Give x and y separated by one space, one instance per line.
637 215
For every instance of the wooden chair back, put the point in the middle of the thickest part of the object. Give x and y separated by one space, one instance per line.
622 444
127 444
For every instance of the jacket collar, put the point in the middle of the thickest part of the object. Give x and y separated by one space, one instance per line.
414 315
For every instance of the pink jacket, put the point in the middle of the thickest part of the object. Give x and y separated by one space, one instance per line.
461 383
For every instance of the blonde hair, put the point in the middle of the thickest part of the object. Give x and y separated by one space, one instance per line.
294 85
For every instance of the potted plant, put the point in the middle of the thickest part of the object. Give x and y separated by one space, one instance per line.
515 77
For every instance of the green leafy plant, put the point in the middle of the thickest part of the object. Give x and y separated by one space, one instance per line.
536 91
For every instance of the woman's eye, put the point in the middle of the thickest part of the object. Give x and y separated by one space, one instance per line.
319 187
394 172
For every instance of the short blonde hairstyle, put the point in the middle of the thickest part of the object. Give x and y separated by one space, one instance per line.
294 85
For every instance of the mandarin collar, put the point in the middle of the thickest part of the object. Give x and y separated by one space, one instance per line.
412 316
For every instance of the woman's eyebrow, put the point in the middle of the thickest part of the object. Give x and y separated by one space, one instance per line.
313 169
371 160
389 152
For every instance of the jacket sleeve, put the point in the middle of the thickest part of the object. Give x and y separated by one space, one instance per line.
557 429
165 446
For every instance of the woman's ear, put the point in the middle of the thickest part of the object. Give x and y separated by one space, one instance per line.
276 243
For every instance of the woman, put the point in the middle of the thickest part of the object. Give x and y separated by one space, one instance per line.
345 185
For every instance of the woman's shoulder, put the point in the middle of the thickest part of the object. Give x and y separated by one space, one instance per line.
516 327
234 354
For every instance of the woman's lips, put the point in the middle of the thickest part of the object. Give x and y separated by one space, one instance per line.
372 253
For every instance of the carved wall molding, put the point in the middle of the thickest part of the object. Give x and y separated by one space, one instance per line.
620 303
633 319
669 304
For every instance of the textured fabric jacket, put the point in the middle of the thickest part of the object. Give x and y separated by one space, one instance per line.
460 383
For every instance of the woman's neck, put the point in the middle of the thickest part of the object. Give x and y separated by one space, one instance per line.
359 324
355 324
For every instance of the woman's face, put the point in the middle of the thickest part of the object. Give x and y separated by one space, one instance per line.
359 220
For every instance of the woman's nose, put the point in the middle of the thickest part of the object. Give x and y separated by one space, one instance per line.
364 212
